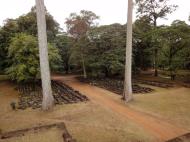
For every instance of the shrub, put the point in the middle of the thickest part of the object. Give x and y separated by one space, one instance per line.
24 54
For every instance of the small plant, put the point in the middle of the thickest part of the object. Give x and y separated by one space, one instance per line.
13 105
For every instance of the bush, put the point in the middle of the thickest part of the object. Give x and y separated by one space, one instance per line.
24 54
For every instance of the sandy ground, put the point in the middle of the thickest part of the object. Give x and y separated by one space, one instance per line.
86 122
105 118
162 130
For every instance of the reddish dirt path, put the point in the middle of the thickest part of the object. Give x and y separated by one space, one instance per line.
162 130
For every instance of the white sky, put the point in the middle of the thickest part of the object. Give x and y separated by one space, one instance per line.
110 11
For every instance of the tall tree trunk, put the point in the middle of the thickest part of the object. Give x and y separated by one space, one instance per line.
83 67
48 100
128 63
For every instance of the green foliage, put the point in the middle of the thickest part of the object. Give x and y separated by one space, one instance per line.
79 49
78 25
106 51
176 46
6 33
28 24
24 24
142 45
64 43
24 54
98 49
54 57
154 9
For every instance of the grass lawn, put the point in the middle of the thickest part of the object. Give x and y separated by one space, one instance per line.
54 135
86 122
172 105
90 122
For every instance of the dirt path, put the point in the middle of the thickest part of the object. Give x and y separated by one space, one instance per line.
162 130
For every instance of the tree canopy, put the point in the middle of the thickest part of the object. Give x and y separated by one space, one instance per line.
24 54
97 51
24 24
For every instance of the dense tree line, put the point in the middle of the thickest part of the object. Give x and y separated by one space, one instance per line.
104 48
19 56
97 51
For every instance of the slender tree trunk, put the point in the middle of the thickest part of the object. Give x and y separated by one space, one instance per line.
66 67
128 63
69 69
83 67
106 72
48 100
